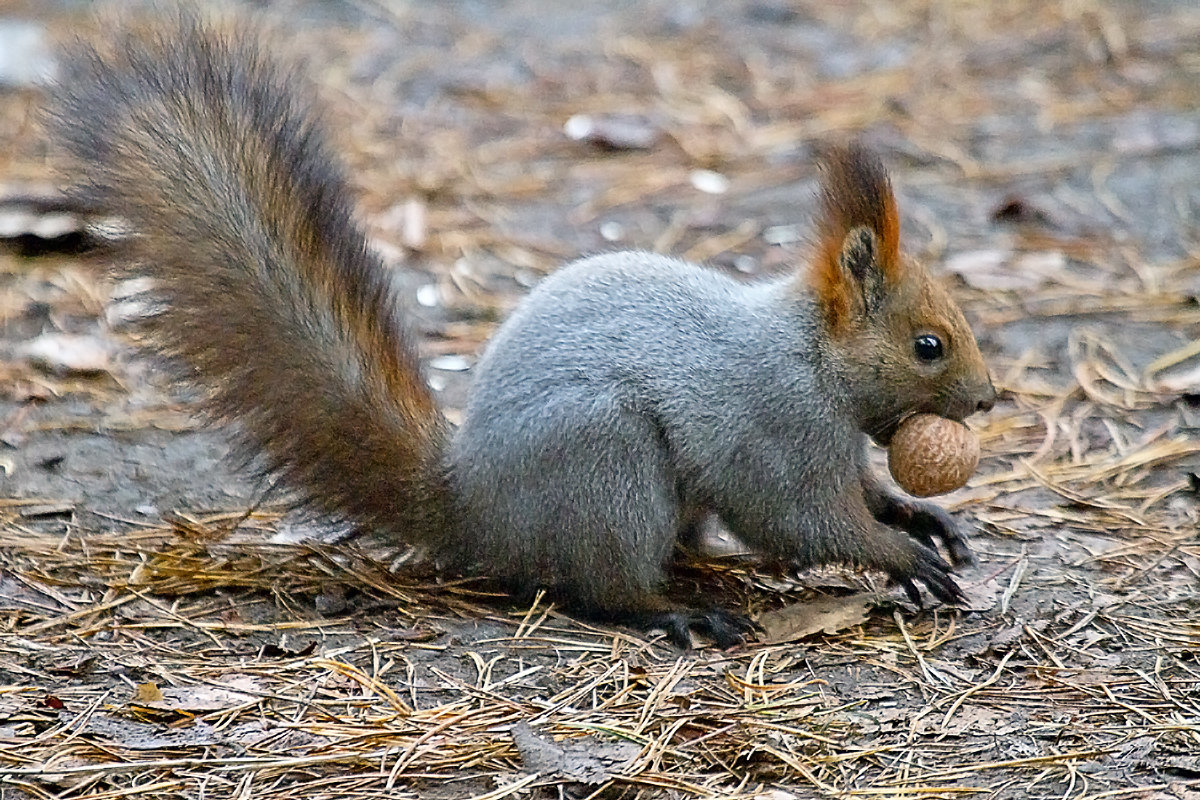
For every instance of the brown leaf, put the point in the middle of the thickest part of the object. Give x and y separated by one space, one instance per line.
585 760
146 694
823 615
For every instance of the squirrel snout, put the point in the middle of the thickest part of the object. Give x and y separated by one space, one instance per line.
987 399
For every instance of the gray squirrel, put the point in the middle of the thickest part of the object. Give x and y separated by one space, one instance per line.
626 398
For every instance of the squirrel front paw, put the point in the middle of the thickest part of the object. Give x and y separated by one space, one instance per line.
932 570
928 522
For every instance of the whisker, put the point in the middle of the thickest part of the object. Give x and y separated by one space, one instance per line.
886 423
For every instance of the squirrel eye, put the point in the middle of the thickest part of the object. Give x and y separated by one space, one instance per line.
928 347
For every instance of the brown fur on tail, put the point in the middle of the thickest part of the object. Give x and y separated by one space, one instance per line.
855 193
273 298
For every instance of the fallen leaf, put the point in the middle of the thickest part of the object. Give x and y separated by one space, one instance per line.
202 699
586 759
823 615
146 694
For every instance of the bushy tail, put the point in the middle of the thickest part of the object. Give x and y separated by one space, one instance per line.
240 215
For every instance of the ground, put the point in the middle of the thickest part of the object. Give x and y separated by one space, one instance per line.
166 630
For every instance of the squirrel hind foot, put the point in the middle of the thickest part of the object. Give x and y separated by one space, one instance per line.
724 628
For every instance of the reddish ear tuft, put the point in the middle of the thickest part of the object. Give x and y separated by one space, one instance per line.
855 192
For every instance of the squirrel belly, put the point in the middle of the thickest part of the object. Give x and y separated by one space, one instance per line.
627 395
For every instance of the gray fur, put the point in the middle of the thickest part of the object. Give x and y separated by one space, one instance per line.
631 390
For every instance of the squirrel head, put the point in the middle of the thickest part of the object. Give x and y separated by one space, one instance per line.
902 342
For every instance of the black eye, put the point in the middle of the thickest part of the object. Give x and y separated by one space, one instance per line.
928 347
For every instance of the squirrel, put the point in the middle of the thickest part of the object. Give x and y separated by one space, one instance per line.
629 395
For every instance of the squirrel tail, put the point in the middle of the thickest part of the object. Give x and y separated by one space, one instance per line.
273 299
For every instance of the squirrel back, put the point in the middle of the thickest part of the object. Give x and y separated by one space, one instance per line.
272 297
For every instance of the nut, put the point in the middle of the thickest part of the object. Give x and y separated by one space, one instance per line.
932 455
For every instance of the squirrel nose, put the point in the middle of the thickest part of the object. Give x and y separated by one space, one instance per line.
988 401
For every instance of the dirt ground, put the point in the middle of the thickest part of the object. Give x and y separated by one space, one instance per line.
167 631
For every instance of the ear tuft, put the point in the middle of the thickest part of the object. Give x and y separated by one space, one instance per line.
855 191
856 199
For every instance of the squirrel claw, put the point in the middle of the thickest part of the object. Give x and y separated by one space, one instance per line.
912 592
725 628
934 572
929 522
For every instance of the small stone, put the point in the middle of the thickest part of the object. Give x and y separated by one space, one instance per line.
66 354
612 231
450 363
709 182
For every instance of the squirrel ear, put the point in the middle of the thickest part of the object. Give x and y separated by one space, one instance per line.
858 234
860 267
